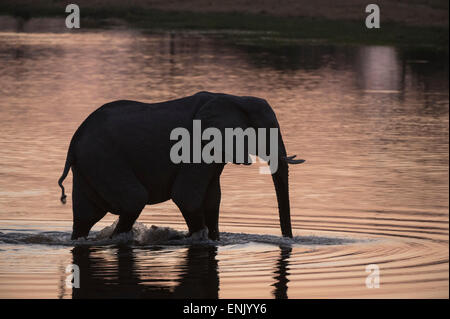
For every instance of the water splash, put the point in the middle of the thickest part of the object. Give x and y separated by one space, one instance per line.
142 235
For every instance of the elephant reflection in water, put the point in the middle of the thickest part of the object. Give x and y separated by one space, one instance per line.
100 278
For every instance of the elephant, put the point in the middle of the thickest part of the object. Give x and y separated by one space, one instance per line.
120 161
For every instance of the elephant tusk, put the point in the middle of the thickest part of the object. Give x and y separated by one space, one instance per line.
291 160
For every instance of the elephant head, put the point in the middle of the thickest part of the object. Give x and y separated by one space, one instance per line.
225 112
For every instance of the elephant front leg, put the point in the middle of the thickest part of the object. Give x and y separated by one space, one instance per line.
196 192
196 223
190 205
211 206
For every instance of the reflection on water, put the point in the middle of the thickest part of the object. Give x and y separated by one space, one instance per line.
379 69
280 291
129 277
371 121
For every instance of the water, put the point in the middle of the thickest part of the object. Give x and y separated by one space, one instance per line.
371 121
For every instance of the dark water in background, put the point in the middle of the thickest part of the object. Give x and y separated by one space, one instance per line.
371 121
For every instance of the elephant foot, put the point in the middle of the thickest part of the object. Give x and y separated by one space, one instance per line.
118 232
202 234
214 235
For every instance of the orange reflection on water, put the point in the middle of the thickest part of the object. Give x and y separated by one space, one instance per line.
372 123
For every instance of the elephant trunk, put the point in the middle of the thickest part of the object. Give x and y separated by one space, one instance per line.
280 181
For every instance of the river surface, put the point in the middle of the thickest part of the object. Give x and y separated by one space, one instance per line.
370 201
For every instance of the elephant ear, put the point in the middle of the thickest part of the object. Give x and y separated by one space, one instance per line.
229 112
221 113
236 111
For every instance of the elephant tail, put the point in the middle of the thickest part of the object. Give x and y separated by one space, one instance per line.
69 162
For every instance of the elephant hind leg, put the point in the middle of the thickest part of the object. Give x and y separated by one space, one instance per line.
125 224
119 187
87 210
133 199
